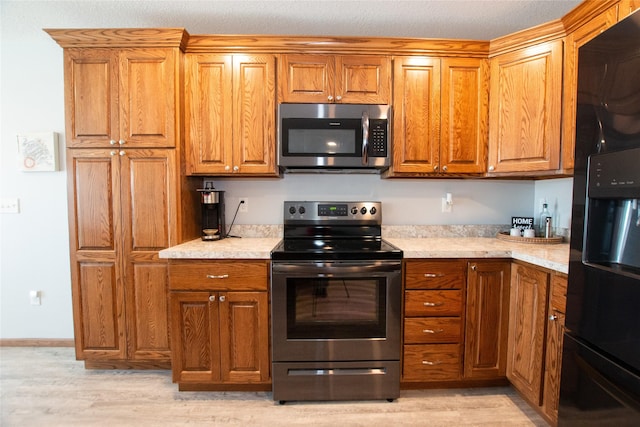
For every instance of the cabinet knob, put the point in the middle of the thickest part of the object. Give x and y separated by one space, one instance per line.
491 168
435 167
122 152
227 168
112 141
114 152
474 267
330 98
212 298
121 142
222 298
445 168
553 317
236 168
338 98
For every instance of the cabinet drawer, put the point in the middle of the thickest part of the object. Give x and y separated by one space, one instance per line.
431 362
218 275
427 330
432 303
435 274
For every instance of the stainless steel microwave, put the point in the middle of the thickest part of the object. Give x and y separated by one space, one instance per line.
334 137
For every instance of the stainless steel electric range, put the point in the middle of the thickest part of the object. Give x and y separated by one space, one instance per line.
336 293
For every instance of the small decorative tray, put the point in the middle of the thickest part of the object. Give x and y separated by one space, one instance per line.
504 235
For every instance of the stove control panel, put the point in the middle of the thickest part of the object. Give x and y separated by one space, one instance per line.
332 211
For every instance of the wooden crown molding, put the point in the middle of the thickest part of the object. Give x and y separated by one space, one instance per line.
584 12
526 38
120 37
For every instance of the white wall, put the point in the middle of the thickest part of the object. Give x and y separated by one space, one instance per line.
34 243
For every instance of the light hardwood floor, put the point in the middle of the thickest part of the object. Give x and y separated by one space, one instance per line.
46 386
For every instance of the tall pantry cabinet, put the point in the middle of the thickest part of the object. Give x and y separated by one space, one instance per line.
126 193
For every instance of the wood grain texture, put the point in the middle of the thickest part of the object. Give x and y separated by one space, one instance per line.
447 302
119 37
432 362
435 274
58 391
425 330
240 275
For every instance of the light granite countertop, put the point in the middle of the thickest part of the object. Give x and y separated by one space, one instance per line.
551 256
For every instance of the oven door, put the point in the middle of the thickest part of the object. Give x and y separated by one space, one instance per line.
338 311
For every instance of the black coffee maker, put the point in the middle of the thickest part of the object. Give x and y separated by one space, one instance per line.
212 207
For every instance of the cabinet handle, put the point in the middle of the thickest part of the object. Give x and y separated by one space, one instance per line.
430 363
221 276
236 168
338 98
114 152
491 168
431 331
553 317
121 142
445 168
435 167
112 141
222 298
433 275
212 298
330 98
122 152
227 167
474 267
432 304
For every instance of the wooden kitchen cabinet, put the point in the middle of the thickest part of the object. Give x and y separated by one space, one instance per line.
527 330
350 79
433 320
230 122
121 97
123 206
440 115
220 324
525 110
487 319
553 352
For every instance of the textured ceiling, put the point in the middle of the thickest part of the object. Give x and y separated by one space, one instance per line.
460 19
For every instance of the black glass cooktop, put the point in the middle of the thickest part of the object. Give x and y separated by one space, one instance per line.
334 249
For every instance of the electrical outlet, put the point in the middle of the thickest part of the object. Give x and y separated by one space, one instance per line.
10 206
244 204
446 207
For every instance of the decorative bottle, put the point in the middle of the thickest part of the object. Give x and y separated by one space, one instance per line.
544 230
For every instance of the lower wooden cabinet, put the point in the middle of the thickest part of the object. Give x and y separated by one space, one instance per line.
487 319
220 336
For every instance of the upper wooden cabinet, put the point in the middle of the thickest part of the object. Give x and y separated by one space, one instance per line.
121 97
440 115
230 121
525 109
357 79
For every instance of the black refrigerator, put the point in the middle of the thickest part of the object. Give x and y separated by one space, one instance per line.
600 384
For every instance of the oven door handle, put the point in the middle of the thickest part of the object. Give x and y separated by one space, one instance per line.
331 269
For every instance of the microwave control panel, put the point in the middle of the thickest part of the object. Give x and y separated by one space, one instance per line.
378 137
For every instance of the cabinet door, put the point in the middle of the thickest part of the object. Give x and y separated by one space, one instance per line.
416 117
363 79
149 210
91 97
465 115
553 356
307 78
527 324
487 319
573 42
254 120
525 108
195 356
209 113
244 337
148 97
96 272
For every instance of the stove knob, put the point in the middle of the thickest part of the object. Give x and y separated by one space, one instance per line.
363 210
354 210
301 210
373 210
292 210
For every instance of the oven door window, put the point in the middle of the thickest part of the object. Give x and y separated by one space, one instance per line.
335 308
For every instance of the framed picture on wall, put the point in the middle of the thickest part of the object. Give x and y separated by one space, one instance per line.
38 151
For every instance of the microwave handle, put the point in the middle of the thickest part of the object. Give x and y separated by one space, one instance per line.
365 138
